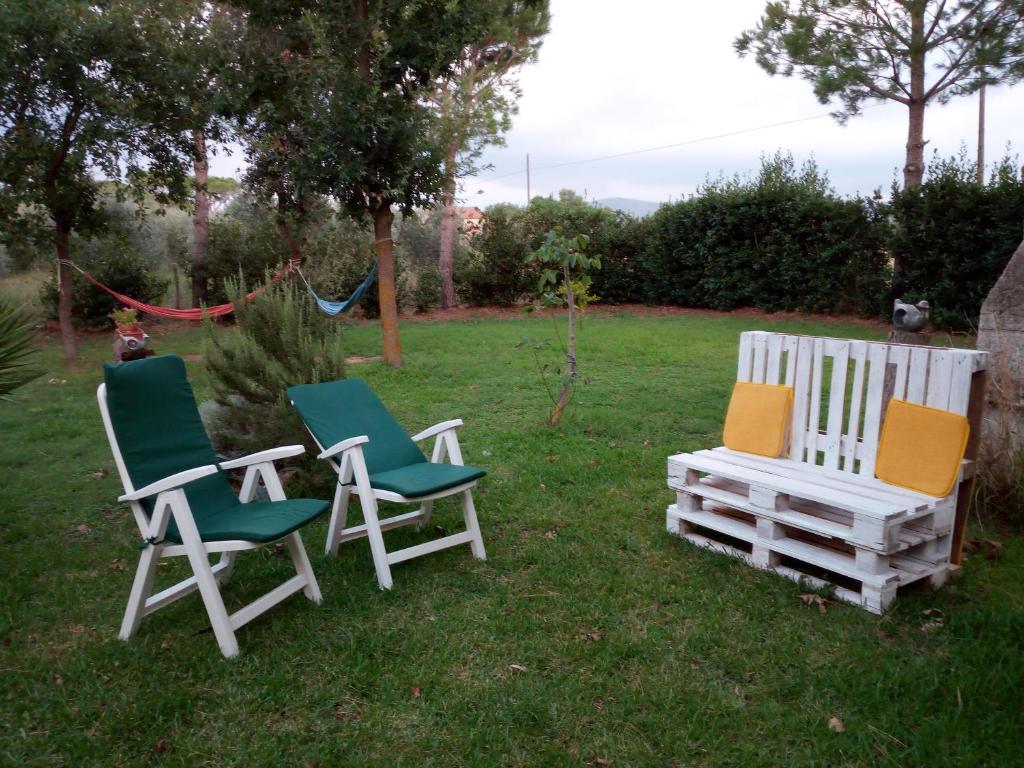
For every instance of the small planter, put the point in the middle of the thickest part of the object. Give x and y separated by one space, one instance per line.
129 338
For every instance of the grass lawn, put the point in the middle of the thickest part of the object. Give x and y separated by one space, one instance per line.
589 637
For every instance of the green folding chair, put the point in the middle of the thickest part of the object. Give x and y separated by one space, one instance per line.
183 503
376 460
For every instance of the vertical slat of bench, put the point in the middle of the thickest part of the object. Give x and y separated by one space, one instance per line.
814 416
760 353
900 357
859 352
877 356
840 351
791 344
773 370
918 378
743 369
960 383
940 373
801 396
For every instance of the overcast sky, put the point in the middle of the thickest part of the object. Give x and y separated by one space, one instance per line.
619 77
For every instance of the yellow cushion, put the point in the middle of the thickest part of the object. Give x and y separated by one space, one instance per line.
758 418
921 447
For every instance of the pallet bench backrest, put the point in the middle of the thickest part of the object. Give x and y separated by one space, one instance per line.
839 388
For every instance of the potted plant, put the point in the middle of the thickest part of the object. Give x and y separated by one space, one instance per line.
129 338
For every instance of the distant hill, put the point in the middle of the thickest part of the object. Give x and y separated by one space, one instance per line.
638 208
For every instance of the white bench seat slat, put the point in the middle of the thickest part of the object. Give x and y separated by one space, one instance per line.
871 487
807 488
807 516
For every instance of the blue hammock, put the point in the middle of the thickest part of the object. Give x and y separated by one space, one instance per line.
334 308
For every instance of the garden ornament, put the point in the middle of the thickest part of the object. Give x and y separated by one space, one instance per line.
910 317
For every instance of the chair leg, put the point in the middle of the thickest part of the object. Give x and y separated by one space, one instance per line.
376 537
298 554
208 588
339 516
476 544
142 587
426 509
228 559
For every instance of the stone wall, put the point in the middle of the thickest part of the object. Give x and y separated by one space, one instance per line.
1001 333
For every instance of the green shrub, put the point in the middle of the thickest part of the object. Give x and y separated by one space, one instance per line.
495 270
111 260
955 237
242 240
427 293
281 339
782 241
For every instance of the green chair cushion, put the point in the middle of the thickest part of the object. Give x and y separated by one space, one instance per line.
159 433
337 410
424 478
255 521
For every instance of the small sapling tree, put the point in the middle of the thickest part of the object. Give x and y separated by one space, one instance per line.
564 282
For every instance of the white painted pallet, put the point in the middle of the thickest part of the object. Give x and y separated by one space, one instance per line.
823 498
875 579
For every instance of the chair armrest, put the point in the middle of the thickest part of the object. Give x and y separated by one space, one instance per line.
169 483
437 429
272 454
341 447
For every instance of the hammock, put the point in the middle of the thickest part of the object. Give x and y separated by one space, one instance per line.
218 310
335 308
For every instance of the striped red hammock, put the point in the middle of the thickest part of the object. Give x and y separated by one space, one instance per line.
218 310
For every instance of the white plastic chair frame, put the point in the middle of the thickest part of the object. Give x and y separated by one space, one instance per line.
347 459
171 501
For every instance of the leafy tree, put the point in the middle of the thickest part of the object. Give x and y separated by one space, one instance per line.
869 50
341 97
206 36
85 87
476 100
564 282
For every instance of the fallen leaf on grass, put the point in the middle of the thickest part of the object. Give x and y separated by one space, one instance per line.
554 531
593 634
415 692
116 565
57 381
601 761
809 599
835 724
99 474
160 747
552 459
82 529
517 667
57 679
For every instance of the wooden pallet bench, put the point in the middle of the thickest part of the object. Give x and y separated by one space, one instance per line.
820 510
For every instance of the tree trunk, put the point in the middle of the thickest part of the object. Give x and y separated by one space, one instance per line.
913 170
200 220
65 291
570 357
382 220
446 257
981 130
283 228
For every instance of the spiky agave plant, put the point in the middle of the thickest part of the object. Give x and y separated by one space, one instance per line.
17 352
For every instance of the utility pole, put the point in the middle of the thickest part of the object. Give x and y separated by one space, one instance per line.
527 179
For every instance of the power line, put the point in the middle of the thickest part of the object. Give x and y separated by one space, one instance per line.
669 146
